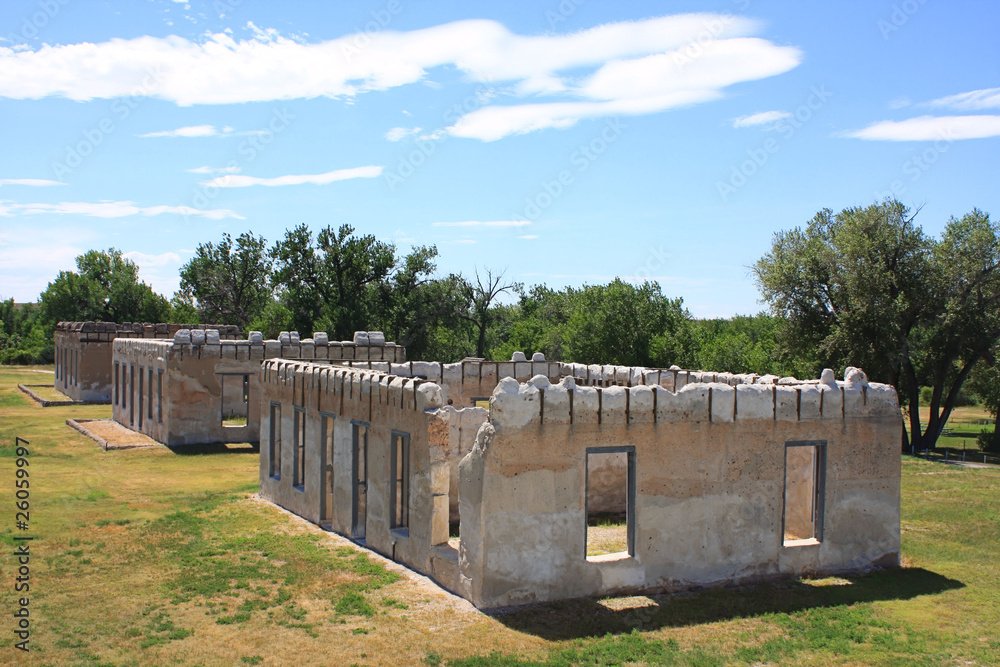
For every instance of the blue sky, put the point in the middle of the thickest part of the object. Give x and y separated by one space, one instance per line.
566 142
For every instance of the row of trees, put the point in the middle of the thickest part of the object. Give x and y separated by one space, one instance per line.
865 287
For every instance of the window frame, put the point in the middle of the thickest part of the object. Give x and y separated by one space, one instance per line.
630 496
298 448
400 475
326 455
274 442
819 493
159 395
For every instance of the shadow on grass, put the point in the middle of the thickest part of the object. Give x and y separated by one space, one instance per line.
216 448
574 619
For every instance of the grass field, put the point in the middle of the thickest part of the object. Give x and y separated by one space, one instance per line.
961 431
48 392
160 557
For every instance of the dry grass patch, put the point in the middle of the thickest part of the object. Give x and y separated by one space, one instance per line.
47 392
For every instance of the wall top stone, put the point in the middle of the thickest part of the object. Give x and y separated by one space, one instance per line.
369 338
143 329
515 404
193 341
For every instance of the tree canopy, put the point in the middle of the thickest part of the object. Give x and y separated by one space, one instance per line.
105 288
332 284
231 283
868 287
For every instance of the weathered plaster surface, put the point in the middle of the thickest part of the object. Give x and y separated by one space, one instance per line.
83 353
709 461
195 363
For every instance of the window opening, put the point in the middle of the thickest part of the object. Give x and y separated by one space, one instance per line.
400 476
805 470
610 502
299 449
274 442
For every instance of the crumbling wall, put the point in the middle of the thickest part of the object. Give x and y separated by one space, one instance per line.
83 352
466 382
340 399
709 485
203 375
462 425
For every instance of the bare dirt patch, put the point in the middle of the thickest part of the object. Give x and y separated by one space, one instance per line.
109 434
607 539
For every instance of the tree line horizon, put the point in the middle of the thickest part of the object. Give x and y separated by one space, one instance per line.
863 287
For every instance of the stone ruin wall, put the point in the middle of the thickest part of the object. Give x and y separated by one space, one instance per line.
709 485
83 352
710 461
465 381
202 380
336 398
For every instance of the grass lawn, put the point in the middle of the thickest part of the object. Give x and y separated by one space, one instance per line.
48 392
960 433
160 557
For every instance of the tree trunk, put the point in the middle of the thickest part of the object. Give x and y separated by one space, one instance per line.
481 344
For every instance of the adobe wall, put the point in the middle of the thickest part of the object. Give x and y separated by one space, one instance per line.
336 398
83 353
709 492
188 373
464 382
470 381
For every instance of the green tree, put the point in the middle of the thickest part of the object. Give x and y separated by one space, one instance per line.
231 282
480 297
184 310
24 337
334 284
867 287
743 344
417 308
985 381
271 321
105 288
620 323
537 323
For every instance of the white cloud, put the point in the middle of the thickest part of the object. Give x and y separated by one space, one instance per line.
636 67
987 98
762 118
488 223
233 181
35 182
189 131
214 170
400 133
930 128
204 131
639 86
116 209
